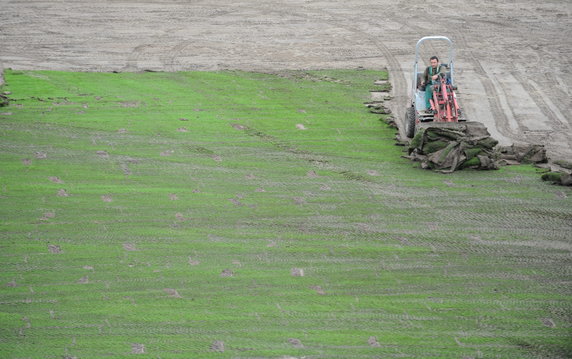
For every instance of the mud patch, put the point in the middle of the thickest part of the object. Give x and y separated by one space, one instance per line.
312 174
172 293
173 197
63 193
547 322
318 289
299 200
12 284
217 158
107 198
103 154
301 127
297 272
54 249
125 169
137 348
194 262
167 153
26 162
122 130
296 343
83 280
56 180
226 273
238 127
372 342
47 216
41 155
130 104
179 216
130 247
182 129
236 202
217 346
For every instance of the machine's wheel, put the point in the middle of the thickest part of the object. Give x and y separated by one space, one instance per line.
410 122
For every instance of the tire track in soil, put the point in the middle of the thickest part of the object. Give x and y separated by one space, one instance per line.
179 48
556 118
131 63
493 94
134 55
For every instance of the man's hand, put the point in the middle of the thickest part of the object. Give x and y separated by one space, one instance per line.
435 77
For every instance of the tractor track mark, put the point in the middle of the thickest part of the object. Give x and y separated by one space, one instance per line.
169 59
552 113
495 105
177 50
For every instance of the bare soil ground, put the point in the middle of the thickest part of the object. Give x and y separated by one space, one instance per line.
513 57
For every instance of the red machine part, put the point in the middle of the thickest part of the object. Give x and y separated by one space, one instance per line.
444 103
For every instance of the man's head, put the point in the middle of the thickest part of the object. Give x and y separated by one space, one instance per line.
434 60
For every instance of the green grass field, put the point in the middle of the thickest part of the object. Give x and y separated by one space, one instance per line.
246 215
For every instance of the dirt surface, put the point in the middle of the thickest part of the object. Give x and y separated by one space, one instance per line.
513 59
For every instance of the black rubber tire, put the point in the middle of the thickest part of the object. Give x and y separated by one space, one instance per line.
410 122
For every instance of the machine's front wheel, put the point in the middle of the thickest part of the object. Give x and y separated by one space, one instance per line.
410 122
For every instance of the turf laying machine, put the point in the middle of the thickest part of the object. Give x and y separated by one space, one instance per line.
441 139
443 106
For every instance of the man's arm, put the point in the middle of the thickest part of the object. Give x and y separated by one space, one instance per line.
442 71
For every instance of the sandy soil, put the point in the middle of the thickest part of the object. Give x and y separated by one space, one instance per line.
513 58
